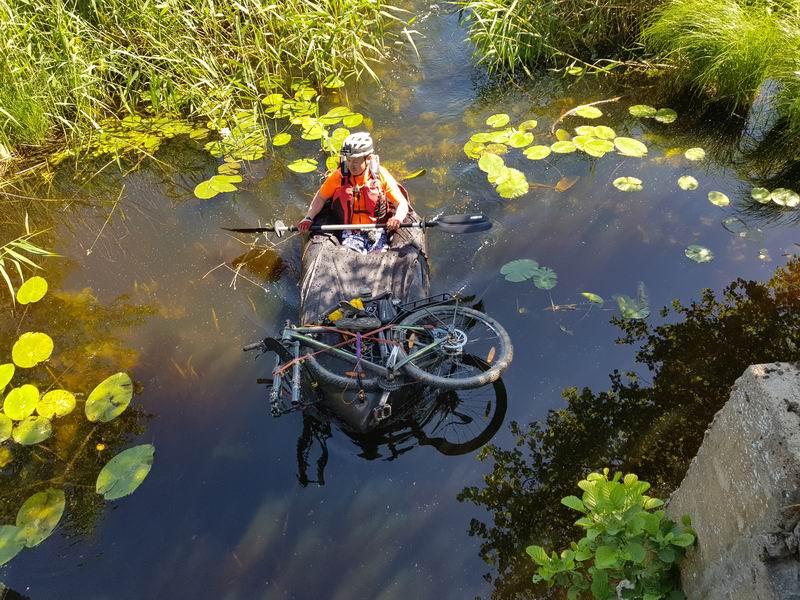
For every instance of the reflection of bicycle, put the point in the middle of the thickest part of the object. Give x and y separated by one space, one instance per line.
360 364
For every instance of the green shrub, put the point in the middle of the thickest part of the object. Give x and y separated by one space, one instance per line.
628 548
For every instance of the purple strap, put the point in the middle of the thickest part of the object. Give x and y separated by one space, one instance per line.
358 346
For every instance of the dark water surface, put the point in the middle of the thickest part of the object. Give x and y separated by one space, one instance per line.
222 514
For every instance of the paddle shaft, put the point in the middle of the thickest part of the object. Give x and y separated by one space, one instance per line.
367 226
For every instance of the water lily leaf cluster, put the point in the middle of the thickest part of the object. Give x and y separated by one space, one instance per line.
644 111
699 254
526 269
781 196
634 308
509 183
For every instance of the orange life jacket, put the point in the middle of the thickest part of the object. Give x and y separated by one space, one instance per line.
369 199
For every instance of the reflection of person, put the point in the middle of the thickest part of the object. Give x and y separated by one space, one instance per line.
361 192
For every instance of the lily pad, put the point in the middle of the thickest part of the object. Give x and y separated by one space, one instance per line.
687 182
498 120
282 139
491 163
527 125
537 152
735 225
562 135
519 270
598 148
502 136
481 137
633 308
520 139
497 148
580 141
474 149
563 147
205 190
761 195
32 431
11 543
630 147
604 133
229 168
39 516
628 184
513 184
586 130
6 374
718 199
21 402
665 115
642 110
593 298
56 403
6 425
545 278
699 254
785 197
303 165
125 472
695 154
331 162
588 112
110 398
31 348
32 290
353 120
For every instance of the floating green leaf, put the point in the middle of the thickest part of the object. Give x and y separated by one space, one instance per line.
761 195
125 472
497 148
545 278
735 225
628 184
562 135
520 139
580 141
474 149
481 137
642 110
11 543
563 147
753 235
32 430
785 197
305 93
110 398
604 133
519 270
687 182
588 112
415 174
630 147
630 308
229 168
353 120
593 297
282 139
6 374
332 162
490 163
718 199
699 254
32 290
695 154
512 184
21 402
303 165
598 148
665 115
6 425
273 100
218 184
537 152
31 348
586 130
527 125
56 403
39 516
498 120
502 136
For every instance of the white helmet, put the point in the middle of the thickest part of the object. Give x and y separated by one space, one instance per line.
357 144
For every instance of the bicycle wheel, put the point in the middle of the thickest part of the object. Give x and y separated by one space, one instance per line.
457 332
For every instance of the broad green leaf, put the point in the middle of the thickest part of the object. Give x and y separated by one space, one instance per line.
593 297
598 148
683 540
574 503
32 290
39 516
125 472
502 136
497 148
538 554
110 398
642 110
474 149
11 543
604 133
333 82
282 139
761 195
665 115
331 162
600 587
21 402
498 120
497 175
353 120
563 147
512 184
205 190
630 147
687 182
537 152
545 278
699 254
481 137
490 163
56 403
628 184
520 139
588 112
32 431
305 93
218 184
220 180
636 551
562 135
303 165
718 199
519 270
229 168
667 555
580 141
527 125
735 225
6 374
586 130
273 99
606 557
695 154
6 425
785 197
31 348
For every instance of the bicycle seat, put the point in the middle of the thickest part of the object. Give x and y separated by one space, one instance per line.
358 323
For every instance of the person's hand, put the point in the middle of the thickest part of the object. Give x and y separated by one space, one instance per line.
392 224
305 224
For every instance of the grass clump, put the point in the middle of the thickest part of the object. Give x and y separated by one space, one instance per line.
66 64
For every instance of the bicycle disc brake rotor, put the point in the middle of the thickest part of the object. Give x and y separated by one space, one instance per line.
454 340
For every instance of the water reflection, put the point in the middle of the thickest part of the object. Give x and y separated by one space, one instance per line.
649 423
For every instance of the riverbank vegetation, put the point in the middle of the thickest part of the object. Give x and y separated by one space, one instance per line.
66 65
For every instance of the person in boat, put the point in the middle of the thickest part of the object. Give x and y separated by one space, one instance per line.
361 192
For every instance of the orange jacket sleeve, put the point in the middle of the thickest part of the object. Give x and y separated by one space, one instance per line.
333 181
391 187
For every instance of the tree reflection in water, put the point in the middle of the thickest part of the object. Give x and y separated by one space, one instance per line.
651 428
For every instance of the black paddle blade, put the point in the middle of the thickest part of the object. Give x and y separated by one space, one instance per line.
461 219
472 227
